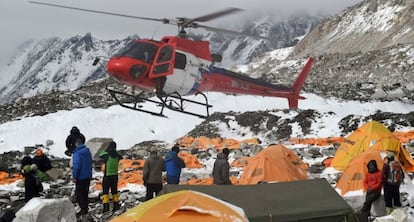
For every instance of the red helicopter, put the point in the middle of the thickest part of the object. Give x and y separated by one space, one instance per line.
177 66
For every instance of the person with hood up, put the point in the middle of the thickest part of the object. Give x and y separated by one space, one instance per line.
43 164
373 185
72 137
82 174
152 173
221 168
32 185
173 165
111 159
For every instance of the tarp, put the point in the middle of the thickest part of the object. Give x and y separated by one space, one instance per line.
182 206
190 160
352 178
302 200
371 135
219 143
275 163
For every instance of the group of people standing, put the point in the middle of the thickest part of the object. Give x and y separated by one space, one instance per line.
388 179
82 171
82 164
155 165
172 164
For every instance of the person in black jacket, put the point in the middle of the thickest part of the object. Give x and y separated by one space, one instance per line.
42 161
70 140
43 165
32 185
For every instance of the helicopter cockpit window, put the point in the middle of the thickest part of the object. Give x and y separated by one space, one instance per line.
165 54
180 61
139 50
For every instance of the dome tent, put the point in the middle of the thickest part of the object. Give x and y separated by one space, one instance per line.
276 163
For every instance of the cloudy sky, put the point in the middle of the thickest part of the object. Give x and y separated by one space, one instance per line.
21 20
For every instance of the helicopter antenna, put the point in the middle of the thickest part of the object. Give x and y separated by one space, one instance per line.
155 31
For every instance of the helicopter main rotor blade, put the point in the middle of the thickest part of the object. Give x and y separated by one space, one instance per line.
166 21
217 14
208 17
209 28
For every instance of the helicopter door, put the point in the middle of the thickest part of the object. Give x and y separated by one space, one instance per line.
164 62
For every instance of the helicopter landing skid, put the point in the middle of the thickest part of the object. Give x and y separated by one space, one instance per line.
176 102
172 101
133 102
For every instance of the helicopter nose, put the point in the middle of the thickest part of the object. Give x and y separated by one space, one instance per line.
117 68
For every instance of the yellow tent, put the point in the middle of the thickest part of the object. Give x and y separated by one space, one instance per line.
372 135
274 164
353 176
182 206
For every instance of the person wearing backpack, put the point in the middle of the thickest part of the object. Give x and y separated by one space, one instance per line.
111 159
392 177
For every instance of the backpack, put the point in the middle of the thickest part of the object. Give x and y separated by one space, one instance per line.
396 174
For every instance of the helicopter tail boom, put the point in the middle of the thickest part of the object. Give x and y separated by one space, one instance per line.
222 80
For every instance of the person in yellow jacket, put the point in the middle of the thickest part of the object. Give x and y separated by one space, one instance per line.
111 159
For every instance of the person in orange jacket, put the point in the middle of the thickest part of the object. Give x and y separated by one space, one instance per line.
373 185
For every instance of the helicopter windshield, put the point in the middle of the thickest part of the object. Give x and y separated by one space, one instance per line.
139 50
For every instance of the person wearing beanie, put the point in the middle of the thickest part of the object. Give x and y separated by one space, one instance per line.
152 173
43 163
71 138
82 174
110 158
221 168
173 165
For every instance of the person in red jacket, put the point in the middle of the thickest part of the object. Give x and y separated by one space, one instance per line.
373 185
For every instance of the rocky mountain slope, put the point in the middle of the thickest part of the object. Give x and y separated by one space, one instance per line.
367 26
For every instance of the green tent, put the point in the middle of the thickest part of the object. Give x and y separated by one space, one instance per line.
303 200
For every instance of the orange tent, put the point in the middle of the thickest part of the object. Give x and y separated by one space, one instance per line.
372 135
353 176
275 163
182 206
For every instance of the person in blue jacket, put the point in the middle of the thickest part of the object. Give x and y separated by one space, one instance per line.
82 174
173 165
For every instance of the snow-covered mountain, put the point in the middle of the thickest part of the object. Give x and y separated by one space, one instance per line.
54 64
282 32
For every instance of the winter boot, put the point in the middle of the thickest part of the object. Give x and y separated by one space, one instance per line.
105 202
116 206
116 202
